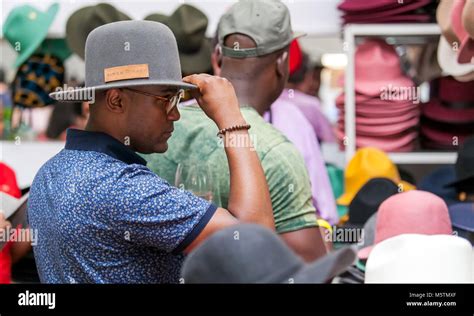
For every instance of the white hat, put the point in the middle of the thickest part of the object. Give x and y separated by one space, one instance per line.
415 258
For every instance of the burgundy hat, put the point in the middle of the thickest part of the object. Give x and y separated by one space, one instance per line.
435 110
389 12
412 212
377 67
451 90
357 6
466 50
445 135
402 18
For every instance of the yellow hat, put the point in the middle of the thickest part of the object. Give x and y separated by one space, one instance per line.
369 163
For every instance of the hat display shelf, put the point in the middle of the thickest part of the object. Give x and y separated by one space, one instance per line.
398 34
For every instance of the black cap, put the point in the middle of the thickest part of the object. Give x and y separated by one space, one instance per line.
367 201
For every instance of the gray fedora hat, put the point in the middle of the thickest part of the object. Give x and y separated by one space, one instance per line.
250 253
128 53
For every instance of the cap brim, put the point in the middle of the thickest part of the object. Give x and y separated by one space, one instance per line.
326 268
297 35
84 94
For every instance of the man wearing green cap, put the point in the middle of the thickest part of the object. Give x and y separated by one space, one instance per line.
254 37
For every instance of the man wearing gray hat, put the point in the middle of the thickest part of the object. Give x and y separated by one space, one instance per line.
254 37
100 214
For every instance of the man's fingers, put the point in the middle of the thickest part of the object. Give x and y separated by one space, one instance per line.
196 78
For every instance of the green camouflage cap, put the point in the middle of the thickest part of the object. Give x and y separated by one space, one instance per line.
267 22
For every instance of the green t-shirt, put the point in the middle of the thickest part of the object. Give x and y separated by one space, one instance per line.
194 141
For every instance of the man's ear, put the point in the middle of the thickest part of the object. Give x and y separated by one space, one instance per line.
114 100
216 60
282 65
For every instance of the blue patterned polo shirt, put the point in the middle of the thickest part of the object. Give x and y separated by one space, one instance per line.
103 217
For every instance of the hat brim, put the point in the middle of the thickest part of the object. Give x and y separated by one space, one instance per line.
436 111
447 59
83 94
459 182
326 268
39 38
375 88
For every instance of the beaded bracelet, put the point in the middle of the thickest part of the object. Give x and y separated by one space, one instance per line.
233 128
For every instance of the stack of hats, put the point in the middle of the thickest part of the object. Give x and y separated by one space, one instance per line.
387 11
386 100
456 45
189 26
448 118
39 60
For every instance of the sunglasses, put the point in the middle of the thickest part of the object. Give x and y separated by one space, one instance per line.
170 102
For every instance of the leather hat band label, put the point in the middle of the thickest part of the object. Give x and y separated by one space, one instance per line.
126 72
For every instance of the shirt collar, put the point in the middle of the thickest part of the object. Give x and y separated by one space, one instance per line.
103 143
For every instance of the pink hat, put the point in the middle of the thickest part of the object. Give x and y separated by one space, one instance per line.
389 12
386 120
385 129
368 112
466 50
377 67
451 90
412 212
340 100
382 112
398 143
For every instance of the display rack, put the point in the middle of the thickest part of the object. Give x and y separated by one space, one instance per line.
399 33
